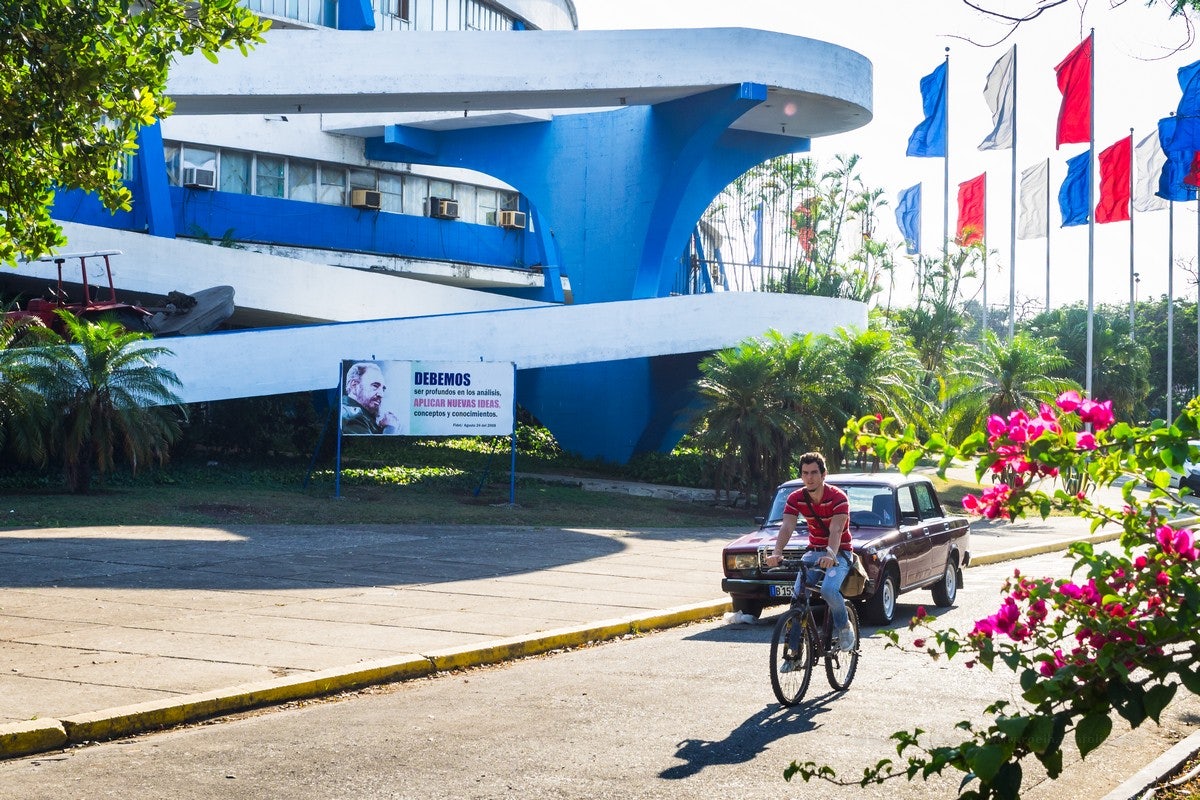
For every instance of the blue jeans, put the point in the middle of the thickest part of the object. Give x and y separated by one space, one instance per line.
831 583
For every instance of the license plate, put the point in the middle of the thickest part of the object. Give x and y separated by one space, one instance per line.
781 591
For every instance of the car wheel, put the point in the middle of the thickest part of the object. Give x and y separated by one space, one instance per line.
880 608
747 605
945 590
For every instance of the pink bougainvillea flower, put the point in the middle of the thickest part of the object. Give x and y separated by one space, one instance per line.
1100 415
996 426
1179 542
918 643
1068 401
1085 441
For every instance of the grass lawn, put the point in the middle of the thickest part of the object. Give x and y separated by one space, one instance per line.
438 482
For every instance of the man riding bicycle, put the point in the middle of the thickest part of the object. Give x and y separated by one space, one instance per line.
826 511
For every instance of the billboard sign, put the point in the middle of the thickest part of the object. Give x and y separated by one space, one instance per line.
427 398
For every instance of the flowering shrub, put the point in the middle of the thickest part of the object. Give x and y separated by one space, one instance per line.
1122 635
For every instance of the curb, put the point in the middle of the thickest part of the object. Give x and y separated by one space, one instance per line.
42 735
1166 764
1039 549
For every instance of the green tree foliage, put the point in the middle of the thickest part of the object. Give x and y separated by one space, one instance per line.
78 80
937 324
771 399
106 396
1121 365
999 377
1150 328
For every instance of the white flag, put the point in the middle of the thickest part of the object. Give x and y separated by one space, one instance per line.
1033 220
1148 161
1001 95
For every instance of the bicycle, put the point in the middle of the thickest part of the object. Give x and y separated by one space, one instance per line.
795 651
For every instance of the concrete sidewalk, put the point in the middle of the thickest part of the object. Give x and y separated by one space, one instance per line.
106 632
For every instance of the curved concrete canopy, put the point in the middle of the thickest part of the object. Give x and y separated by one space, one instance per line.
814 88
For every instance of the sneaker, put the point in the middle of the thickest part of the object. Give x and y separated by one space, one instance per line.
846 639
787 666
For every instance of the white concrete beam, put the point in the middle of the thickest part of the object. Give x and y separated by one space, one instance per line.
280 360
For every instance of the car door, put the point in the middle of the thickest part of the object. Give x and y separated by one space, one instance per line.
911 555
934 531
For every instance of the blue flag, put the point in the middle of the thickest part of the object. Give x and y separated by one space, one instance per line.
1179 162
1186 134
1073 195
908 217
929 137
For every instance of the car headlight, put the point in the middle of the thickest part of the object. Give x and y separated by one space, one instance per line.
741 561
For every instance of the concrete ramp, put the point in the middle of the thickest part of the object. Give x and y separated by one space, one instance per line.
278 360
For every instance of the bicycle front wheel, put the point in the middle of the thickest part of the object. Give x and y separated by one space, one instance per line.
792 648
840 665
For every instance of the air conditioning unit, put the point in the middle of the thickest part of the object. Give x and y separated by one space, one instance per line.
512 219
197 178
442 208
366 198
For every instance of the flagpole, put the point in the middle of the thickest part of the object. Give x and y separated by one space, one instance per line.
1047 233
1170 307
946 169
1012 235
1091 204
1132 300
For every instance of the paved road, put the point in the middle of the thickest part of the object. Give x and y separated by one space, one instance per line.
683 713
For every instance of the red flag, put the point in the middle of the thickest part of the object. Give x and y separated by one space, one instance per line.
1115 164
1075 83
972 209
1193 176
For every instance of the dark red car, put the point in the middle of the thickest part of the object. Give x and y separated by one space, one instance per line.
905 538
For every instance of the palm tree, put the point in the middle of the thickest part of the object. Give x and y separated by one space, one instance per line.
108 395
767 401
880 370
1001 377
748 416
23 414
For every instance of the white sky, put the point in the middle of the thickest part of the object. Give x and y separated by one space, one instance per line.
906 39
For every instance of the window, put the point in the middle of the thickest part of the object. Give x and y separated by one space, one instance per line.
391 193
235 172
416 192
487 203
268 176
200 158
302 181
465 195
905 500
333 186
171 155
926 502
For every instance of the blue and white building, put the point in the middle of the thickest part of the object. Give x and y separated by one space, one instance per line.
471 180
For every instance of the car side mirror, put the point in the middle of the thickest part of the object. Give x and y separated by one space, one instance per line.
910 518
760 521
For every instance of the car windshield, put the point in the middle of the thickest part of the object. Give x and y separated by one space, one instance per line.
869 504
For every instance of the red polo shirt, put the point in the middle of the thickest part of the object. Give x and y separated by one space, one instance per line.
833 502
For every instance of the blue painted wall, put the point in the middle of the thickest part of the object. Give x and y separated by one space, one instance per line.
618 194
199 213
